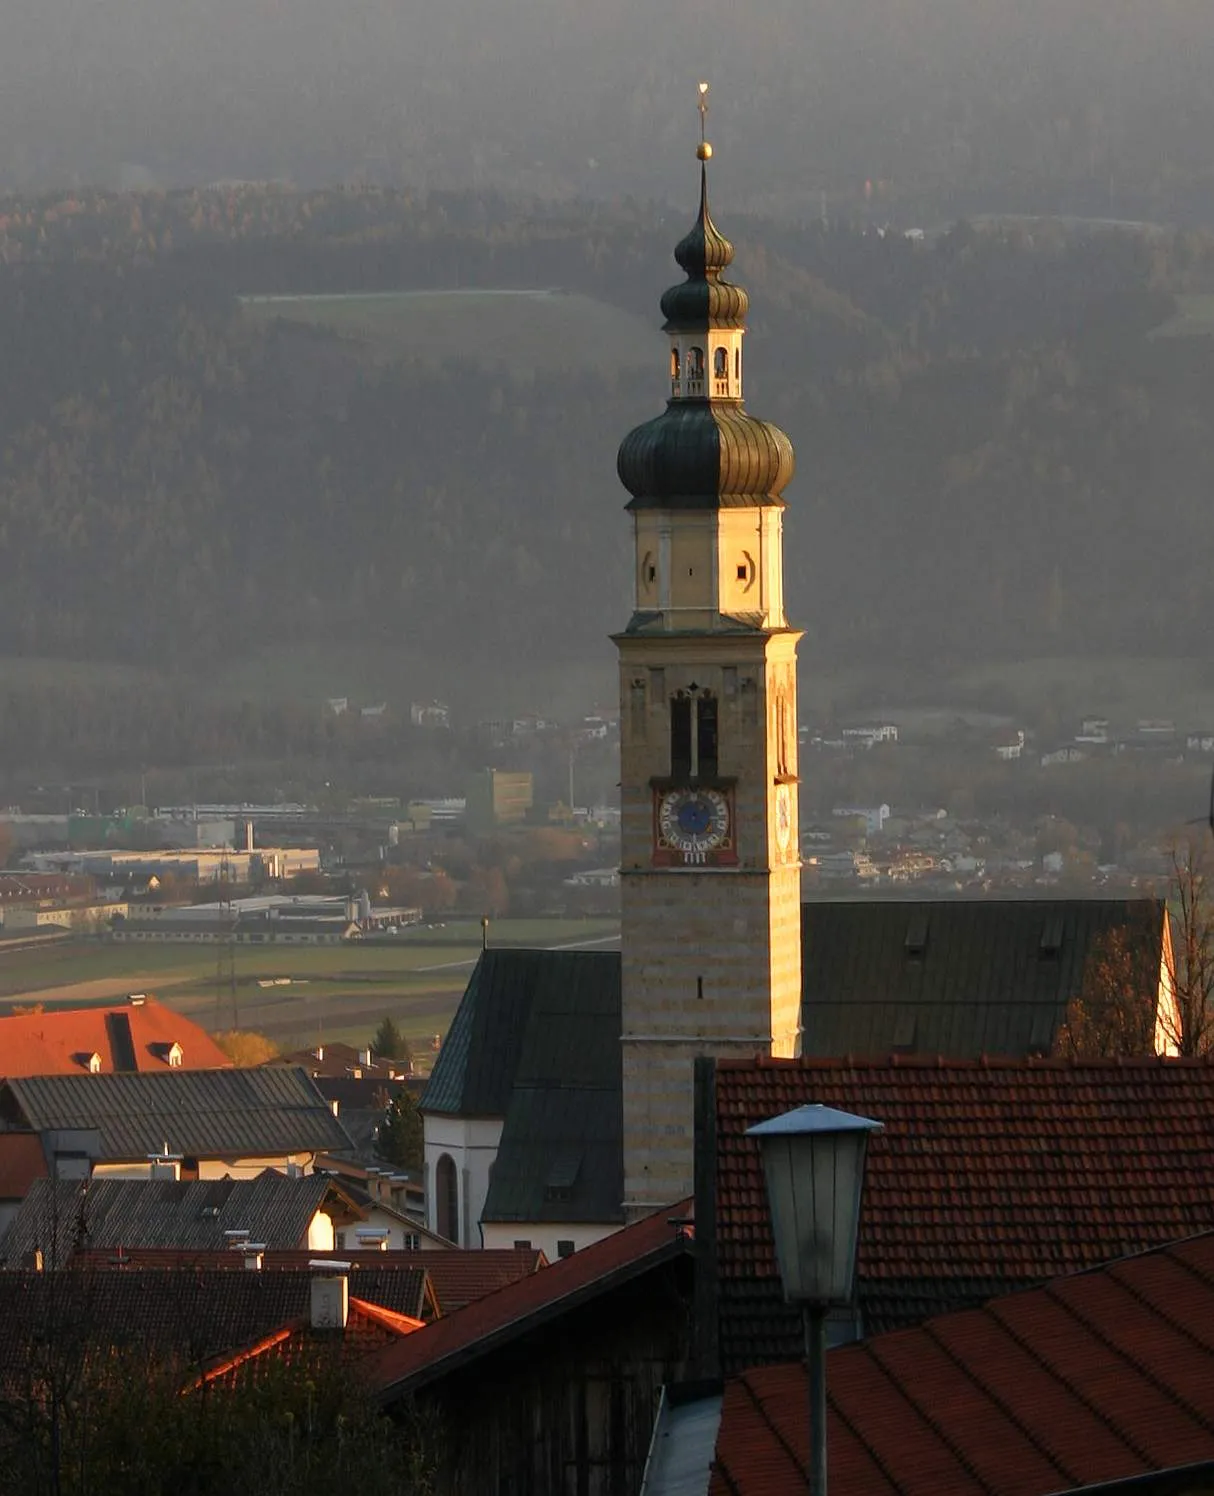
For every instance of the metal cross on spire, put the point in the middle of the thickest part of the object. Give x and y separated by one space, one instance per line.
704 151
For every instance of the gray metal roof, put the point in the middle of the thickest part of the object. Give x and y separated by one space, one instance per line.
483 1055
955 977
536 1041
684 1443
561 1153
275 1110
190 1215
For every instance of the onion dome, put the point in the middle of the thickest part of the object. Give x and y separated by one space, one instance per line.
702 455
704 299
704 451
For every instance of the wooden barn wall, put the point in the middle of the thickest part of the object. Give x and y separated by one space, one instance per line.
569 1409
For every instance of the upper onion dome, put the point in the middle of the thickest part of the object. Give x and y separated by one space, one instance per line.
704 299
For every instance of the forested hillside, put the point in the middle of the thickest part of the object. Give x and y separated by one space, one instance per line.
995 455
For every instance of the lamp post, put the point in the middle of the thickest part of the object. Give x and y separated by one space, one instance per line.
813 1160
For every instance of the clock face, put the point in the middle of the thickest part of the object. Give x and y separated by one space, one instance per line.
693 824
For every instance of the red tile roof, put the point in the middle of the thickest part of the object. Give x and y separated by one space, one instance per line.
458 1277
497 1318
989 1175
197 1315
1097 1377
21 1162
60 1041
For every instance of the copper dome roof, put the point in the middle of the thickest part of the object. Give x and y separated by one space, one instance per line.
701 455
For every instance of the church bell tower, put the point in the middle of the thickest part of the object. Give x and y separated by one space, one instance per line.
710 866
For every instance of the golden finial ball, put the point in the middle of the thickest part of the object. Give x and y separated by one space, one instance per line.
703 151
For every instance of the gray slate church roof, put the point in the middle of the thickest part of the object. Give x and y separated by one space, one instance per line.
536 1041
960 977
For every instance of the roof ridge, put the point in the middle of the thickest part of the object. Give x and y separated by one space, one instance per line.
928 1061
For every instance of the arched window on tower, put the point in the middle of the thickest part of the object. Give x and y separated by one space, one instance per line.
674 368
446 1191
693 735
695 371
720 371
706 735
680 736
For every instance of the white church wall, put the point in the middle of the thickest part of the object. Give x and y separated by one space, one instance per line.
545 1235
472 1144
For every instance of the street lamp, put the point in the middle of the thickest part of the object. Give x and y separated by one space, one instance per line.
813 1160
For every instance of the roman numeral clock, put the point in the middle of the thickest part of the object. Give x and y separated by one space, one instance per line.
693 825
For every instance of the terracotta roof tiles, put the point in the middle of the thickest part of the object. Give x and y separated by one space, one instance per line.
989 1175
124 1036
1100 1376
193 1314
457 1276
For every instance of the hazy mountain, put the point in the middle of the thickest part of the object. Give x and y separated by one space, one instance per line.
1095 105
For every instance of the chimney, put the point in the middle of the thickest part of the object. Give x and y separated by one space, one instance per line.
237 1240
254 1253
330 1307
319 1051
137 999
164 1165
365 1057
248 836
294 1170
32 1260
335 1106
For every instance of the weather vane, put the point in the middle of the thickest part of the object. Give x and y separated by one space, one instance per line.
704 150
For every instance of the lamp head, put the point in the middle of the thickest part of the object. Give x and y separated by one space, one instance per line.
813 1160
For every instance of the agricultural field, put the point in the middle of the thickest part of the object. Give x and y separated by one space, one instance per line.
525 331
295 995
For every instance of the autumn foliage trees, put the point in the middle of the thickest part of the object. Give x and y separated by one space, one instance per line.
1130 1004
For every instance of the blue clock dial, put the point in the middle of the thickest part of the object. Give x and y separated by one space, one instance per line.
695 816
693 822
